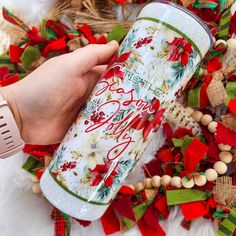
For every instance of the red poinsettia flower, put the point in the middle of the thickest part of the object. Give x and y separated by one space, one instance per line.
180 50
148 121
99 173
115 65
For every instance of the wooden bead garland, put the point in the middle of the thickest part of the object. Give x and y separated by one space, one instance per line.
211 174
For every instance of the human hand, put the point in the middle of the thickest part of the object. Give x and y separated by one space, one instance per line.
46 102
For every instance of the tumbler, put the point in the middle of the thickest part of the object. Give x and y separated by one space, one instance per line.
154 63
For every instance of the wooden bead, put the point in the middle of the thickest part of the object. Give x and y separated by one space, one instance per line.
200 180
165 180
212 126
156 181
197 115
211 175
34 179
176 182
189 110
226 157
187 183
220 167
36 188
139 186
224 147
148 183
206 119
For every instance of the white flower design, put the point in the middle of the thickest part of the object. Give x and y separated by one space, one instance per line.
94 151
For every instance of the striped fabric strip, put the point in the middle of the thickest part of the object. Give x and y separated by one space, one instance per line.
32 164
228 225
224 24
5 61
13 19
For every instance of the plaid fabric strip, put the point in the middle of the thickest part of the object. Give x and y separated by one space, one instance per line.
224 24
13 19
228 225
61 223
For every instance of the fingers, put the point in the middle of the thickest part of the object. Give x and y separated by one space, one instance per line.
84 59
92 77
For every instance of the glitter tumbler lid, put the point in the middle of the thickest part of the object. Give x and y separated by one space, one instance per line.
181 19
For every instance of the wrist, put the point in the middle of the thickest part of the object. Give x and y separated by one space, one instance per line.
9 94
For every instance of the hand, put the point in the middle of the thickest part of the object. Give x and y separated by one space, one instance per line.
46 102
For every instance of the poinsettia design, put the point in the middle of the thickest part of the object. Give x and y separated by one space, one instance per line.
181 49
99 172
149 121
94 151
115 65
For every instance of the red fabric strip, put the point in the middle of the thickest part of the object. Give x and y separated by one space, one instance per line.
15 53
232 106
146 230
161 205
194 153
11 79
225 135
194 210
54 46
110 222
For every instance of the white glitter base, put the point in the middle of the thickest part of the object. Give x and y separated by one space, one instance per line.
67 203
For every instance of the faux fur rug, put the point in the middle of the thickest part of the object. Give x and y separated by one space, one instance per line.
24 214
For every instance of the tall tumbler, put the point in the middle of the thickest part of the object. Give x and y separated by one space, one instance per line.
152 66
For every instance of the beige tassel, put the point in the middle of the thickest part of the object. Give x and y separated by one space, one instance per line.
224 192
229 120
180 117
216 91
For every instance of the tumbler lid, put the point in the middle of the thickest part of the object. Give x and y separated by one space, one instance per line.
181 19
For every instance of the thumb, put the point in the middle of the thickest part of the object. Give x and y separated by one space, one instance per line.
84 59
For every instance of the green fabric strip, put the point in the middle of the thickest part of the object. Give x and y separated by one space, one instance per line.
174 29
30 55
180 196
231 90
138 212
224 24
73 194
228 224
117 33
232 218
177 142
224 231
187 140
31 165
211 5
194 97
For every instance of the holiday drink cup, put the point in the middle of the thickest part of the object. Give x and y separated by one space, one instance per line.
153 64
